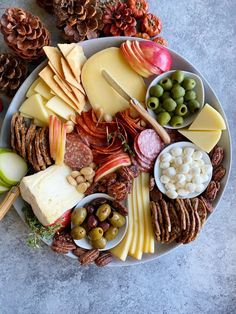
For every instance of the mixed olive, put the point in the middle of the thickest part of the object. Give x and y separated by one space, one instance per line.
173 99
99 221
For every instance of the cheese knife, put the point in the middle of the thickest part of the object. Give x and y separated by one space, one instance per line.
135 104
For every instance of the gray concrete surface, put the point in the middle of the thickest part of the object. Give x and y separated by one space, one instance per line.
198 278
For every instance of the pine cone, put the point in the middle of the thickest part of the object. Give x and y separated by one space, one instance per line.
151 24
119 20
80 19
12 73
46 4
24 33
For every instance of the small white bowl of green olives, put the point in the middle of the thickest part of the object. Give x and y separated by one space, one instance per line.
175 98
96 223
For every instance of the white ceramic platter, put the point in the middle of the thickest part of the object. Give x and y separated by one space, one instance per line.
91 47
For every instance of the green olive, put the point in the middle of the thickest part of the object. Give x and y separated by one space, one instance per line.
169 104
179 101
178 76
181 110
164 96
117 220
99 244
190 95
103 211
78 233
177 91
176 121
189 84
163 118
159 109
153 103
166 83
193 106
78 216
111 233
95 233
156 91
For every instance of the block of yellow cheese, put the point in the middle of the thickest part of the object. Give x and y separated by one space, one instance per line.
31 90
208 119
205 140
43 89
100 94
58 106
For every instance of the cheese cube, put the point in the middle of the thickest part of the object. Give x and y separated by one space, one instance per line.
58 106
31 90
43 89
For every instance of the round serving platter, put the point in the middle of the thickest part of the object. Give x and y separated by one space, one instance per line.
95 45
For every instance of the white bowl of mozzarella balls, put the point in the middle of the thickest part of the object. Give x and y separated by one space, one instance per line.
182 170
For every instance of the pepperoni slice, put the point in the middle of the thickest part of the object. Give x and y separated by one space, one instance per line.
149 144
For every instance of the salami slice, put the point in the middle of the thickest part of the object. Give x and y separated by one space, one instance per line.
78 155
139 154
149 144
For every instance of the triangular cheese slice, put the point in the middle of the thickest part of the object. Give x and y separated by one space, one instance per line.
66 48
208 119
205 140
76 60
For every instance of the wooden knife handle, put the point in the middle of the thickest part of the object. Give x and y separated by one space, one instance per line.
151 121
9 199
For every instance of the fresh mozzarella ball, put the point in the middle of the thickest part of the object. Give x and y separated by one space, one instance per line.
182 192
164 165
187 159
170 186
199 188
197 155
197 179
164 179
188 151
170 172
188 177
178 161
184 168
180 178
195 171
172 194
164 171
166 157
177 151
191 187
179 185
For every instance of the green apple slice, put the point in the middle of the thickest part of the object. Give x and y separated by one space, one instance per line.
3 189
12 168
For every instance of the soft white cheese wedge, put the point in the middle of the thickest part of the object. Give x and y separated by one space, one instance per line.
49 193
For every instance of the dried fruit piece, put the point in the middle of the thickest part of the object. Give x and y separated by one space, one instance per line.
103 259
89 257
151 24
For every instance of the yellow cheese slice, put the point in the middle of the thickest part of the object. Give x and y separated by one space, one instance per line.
31 90
134 240
139 246
100 94
122 249
54 57
146 200
43 89
145 214
76 60
208 119
34 106
58 106
206 140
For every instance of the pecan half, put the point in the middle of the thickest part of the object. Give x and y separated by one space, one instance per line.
63 243
108 180
89 257
212 190
208 204
118 190
217 155
219 173
125 174
103 259
79 251
120 208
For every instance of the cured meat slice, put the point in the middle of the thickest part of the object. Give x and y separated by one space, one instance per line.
149 144
44 145
89 139
86 128
78 155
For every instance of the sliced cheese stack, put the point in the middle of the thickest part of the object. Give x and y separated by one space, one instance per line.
139 238
206 129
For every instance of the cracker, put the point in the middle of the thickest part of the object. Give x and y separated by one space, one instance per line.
23 144
175 223
190 210
181 213
198 225
66 48
54 57
13 122
44 145
39 156
18 125
30 145
202 211
155 223
69 77
166 219
65 90
76 60
186 232
161 222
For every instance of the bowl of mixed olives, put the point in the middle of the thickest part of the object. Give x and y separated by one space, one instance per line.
98 221
175 98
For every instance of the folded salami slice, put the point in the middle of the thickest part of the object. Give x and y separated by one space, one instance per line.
78 155
149 144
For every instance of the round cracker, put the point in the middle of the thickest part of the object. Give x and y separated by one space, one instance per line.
188 206
181 213
13 122
44 145
198 225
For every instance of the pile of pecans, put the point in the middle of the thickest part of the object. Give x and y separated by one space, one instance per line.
82 179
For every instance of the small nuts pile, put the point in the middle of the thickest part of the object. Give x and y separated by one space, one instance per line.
70 124
82 179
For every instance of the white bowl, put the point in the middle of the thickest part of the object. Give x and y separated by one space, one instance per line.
95 45
199 89
85 243
157 169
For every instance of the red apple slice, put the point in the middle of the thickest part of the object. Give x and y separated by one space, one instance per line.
156 54
138 52
110 167
133 62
